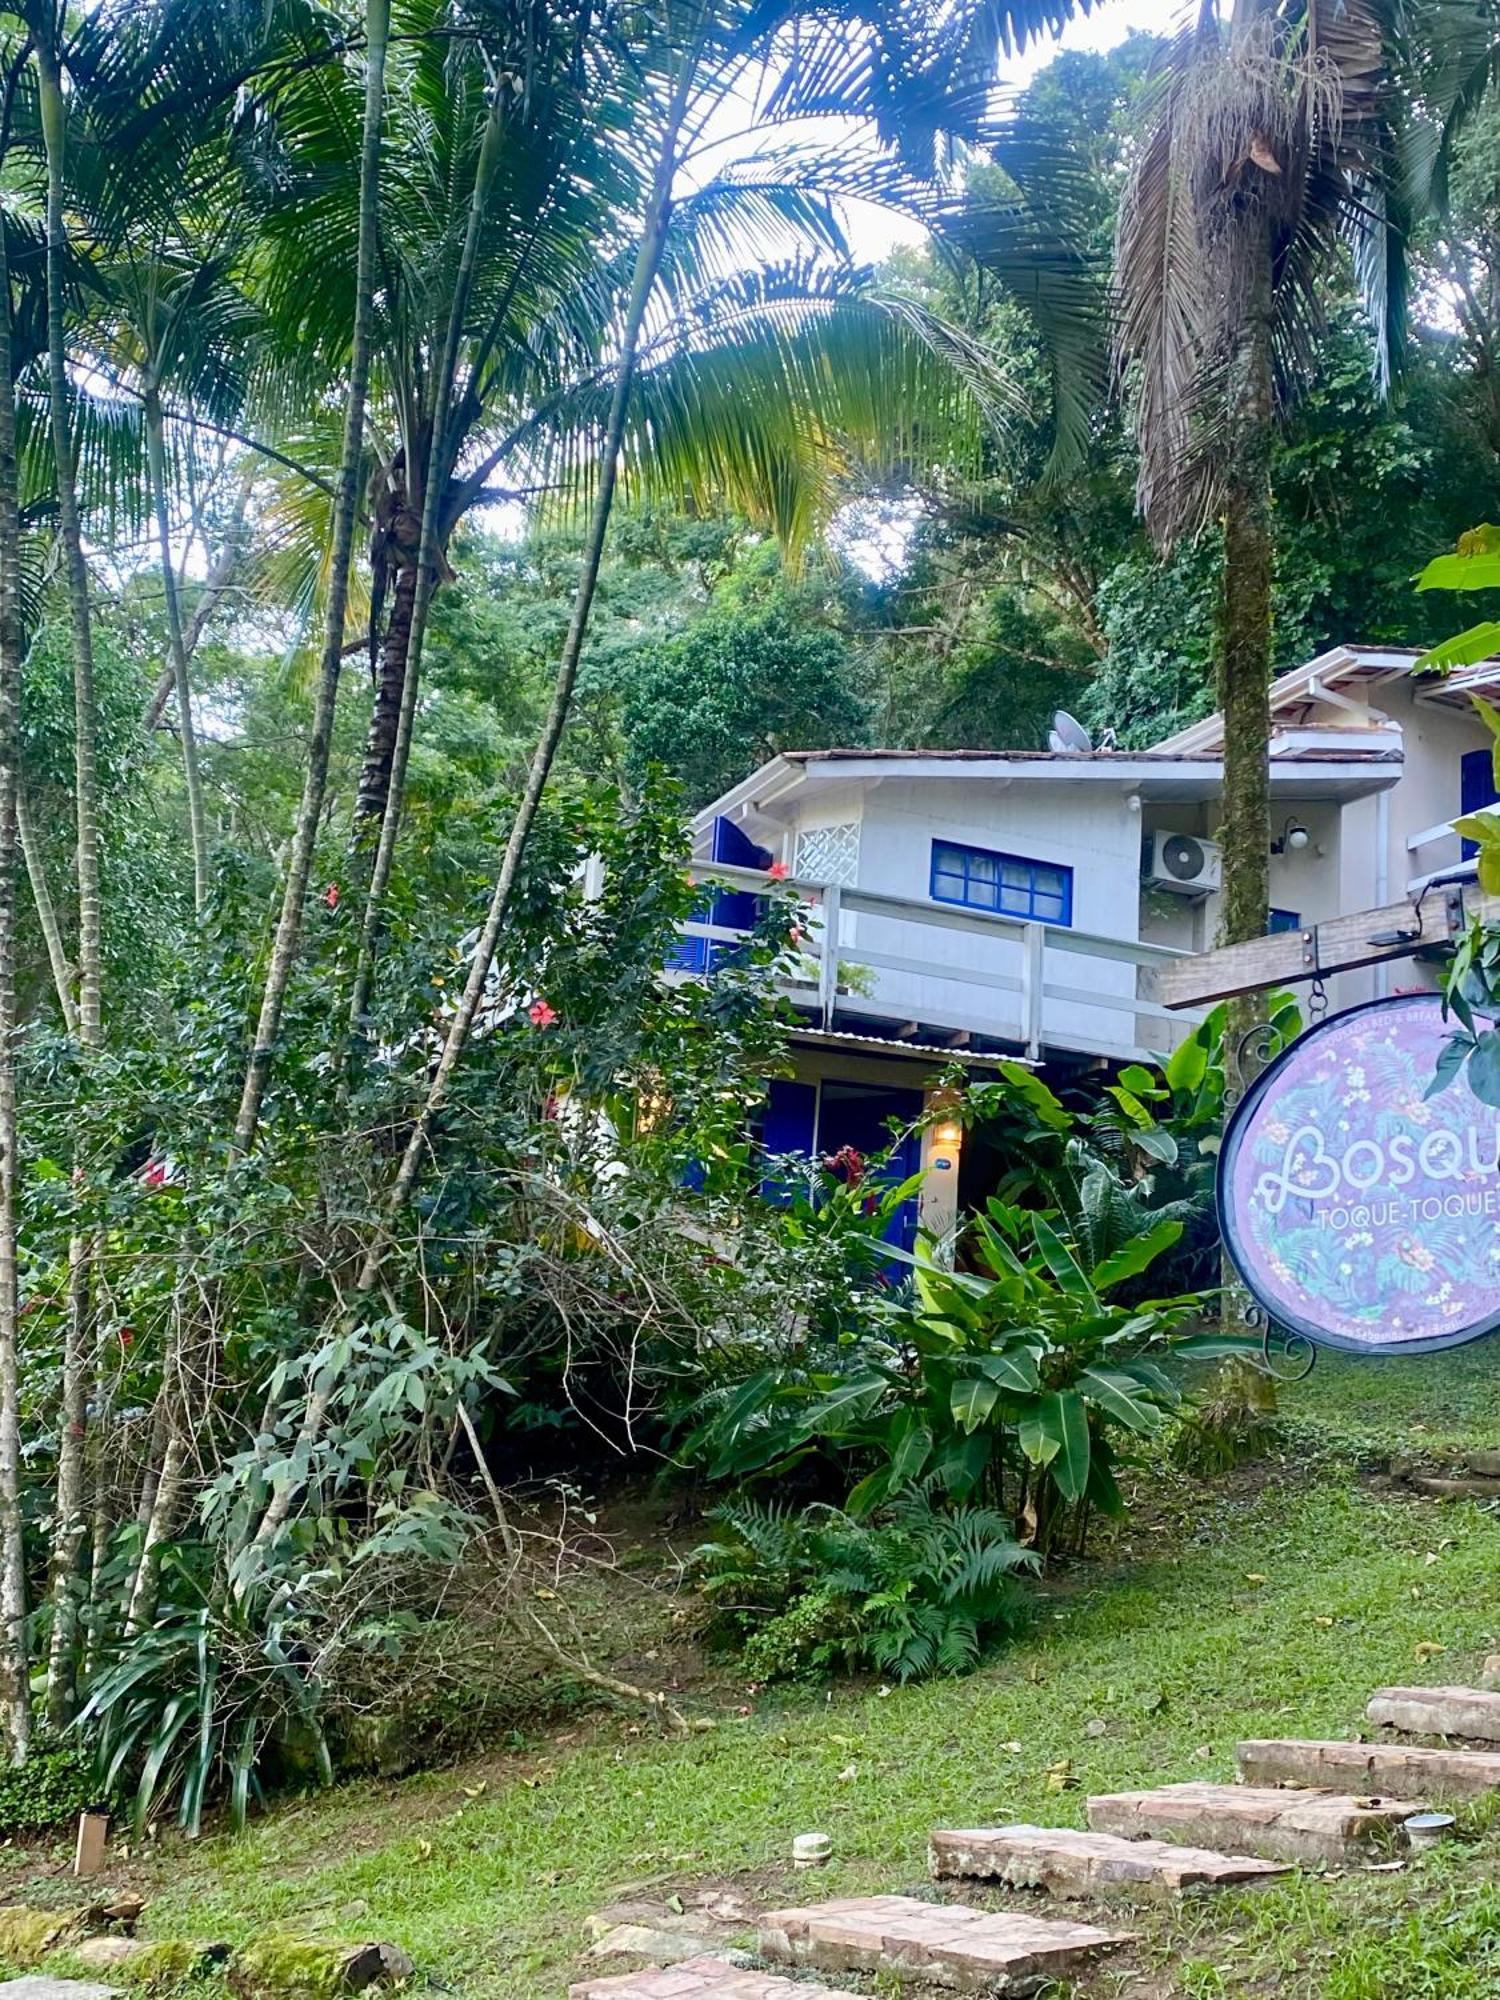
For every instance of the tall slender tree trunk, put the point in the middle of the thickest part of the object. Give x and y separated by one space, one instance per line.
395 666
647 264
215 585
85 719
442 449
71 1527
156 461
14 1677
46 910
1244 689
345 513
1244 636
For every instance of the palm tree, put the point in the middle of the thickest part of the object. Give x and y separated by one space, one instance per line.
1268 144
345 513
700 58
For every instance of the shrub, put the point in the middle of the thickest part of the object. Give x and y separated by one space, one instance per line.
56 1782
911 1592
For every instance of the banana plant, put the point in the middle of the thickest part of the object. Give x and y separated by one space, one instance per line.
1012 1382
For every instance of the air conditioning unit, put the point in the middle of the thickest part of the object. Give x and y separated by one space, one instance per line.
1182 863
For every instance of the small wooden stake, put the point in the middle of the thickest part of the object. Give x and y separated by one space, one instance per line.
93 1830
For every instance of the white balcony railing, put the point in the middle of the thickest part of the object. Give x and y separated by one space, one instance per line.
869 961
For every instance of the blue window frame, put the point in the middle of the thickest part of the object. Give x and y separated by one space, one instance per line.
1282 920
1008 884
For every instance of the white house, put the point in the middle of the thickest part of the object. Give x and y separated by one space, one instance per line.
965 904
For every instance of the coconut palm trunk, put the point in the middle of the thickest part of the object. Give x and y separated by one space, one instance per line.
345 514
156 464
14 1676
647 265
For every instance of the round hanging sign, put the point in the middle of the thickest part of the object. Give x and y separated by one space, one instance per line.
1358 1210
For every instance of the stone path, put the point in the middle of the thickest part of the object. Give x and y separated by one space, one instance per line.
1439 1711
1066 1862
1322 1829
700 1979
946 1944
1314 1803
1395 1770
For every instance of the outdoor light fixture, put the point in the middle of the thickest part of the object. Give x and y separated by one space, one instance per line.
1294 837
947 1133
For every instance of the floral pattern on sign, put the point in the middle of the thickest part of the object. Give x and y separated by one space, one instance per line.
1360 1210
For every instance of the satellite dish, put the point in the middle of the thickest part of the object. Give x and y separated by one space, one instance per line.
1067 733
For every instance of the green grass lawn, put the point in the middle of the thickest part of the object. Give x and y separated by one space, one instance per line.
1271 1603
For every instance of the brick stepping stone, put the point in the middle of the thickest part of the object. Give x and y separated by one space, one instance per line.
700 1979
1067 1862
966 1950
1315 1827
1475 1486
1395 1770
1439 1711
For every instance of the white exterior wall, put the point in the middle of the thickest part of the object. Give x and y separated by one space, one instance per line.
1087 829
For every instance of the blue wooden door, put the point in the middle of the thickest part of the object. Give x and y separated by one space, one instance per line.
858 1115
735 909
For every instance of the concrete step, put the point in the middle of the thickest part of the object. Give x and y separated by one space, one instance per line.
1472 1487
1438 1711
699 1979
1317 1828
1393 1770
1067 1862
948 1945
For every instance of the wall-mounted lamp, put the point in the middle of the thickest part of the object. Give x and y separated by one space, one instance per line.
948 1134
1132 802
1293 838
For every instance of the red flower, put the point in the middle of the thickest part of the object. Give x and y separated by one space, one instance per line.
540 1014
848 1163
126 1336
331 895
778 871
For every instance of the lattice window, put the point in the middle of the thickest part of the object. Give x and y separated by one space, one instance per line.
828 854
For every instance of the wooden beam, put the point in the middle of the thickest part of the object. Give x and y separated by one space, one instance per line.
1341 944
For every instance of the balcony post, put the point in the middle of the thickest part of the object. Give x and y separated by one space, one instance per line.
828 971
1033 963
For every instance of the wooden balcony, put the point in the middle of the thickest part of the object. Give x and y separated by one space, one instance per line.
888 965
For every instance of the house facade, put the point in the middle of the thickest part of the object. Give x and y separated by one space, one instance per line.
965 906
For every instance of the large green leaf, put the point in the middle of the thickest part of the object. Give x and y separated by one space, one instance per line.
1121 1398
1056 1435
910 1456
1014 1369
1137 1255
1188 1064
973 1400
1060 1261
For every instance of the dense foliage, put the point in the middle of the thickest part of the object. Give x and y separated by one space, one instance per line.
430 465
